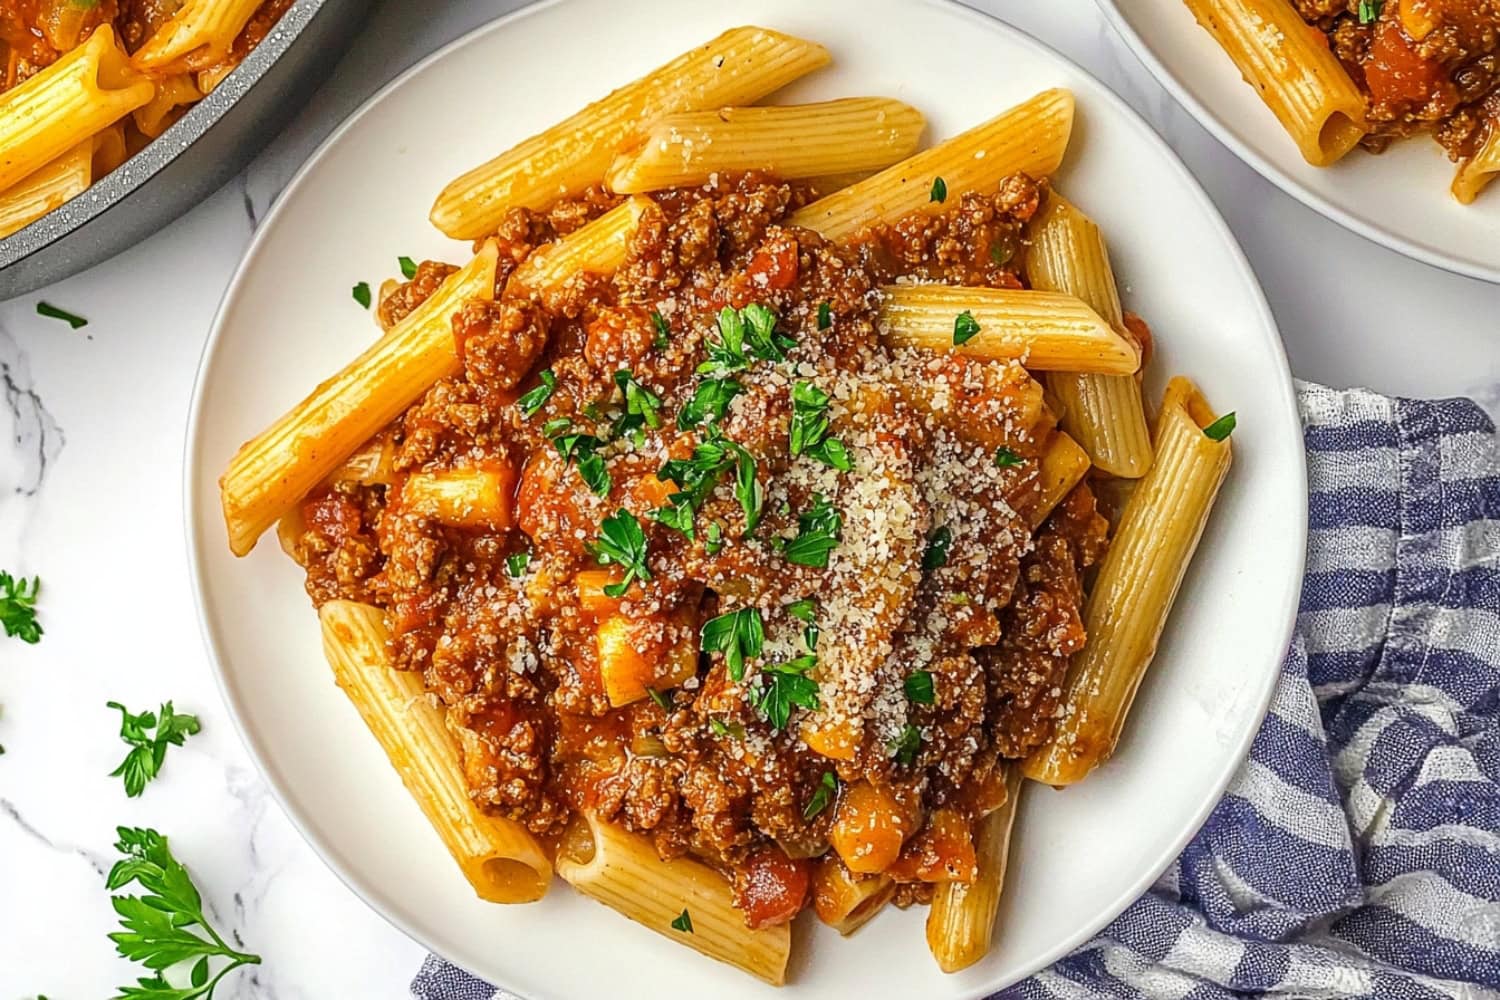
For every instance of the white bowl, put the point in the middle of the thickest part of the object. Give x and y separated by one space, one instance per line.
1080 856
1399 199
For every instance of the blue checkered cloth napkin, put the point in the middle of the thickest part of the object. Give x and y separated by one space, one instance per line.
1357 852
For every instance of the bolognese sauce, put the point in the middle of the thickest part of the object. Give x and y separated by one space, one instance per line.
763 589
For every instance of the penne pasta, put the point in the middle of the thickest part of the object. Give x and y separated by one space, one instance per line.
1030 138
463 498
1045 331
87 89
501 860
196 36
154 117
277 468
788 142
1291 66
846 901
1475 172
1102 412
739 67
46 188
597 248
109 149
634 657
1063 466
623 871
869 828
1136 584
961 921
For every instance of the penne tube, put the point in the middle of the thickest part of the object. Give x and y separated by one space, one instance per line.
1045 331
109 149
869 828
739 67
44 189
623 871
846 901
198 35
597 248
788 142
1030 138
501 860
277 468
1063 466
1478 170
463 498
87 89
1102 412
1136 584
637 654
154 117
961 920
1291 67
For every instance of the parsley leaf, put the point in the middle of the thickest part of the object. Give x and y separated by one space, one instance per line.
825 315
1369 12
809 429
18 607
785 685
683 923
1221 428
1007 459
727 354
148 751
713 538
157 927
515 563
760 332
828 786
918 687
745 334
818 532
738 635
697 476
803 610
361 293
662 701
709 403
621 541
51 311
662 339
641 404
937 549
678 516
1002 250
965 326
536 398
731 729
747 489
408 267
905 747
556 426
939 192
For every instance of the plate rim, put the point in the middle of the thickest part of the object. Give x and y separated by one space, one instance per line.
193 514
1382 236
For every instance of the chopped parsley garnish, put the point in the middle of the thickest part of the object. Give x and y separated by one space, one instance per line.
709 403
809 433
149 750
641 405
825 315
622 542
1221 428
713 538
157 927
678 515
818 531
1007 459
738 635
408 267
904 747
515 563
662 701
828 786
361 293
964 328
1369 12
684 923
760 333
536 398
918 687
1002 250
745 334
937 549
697 476
747 489
785 685
804 610
662 339
731 729
583 450
51 311
556 426
18 607
939 190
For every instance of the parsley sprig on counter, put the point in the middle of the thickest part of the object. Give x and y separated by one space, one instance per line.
148 735
159 928
18 607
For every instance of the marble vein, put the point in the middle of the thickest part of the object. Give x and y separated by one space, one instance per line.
35 436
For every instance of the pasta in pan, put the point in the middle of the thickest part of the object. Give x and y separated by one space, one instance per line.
713 524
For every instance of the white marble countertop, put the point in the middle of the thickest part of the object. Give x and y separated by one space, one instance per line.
91 438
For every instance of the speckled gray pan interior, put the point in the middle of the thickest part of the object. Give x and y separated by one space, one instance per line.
193 158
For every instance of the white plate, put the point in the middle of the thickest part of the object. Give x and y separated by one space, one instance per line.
1398 199
287 321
